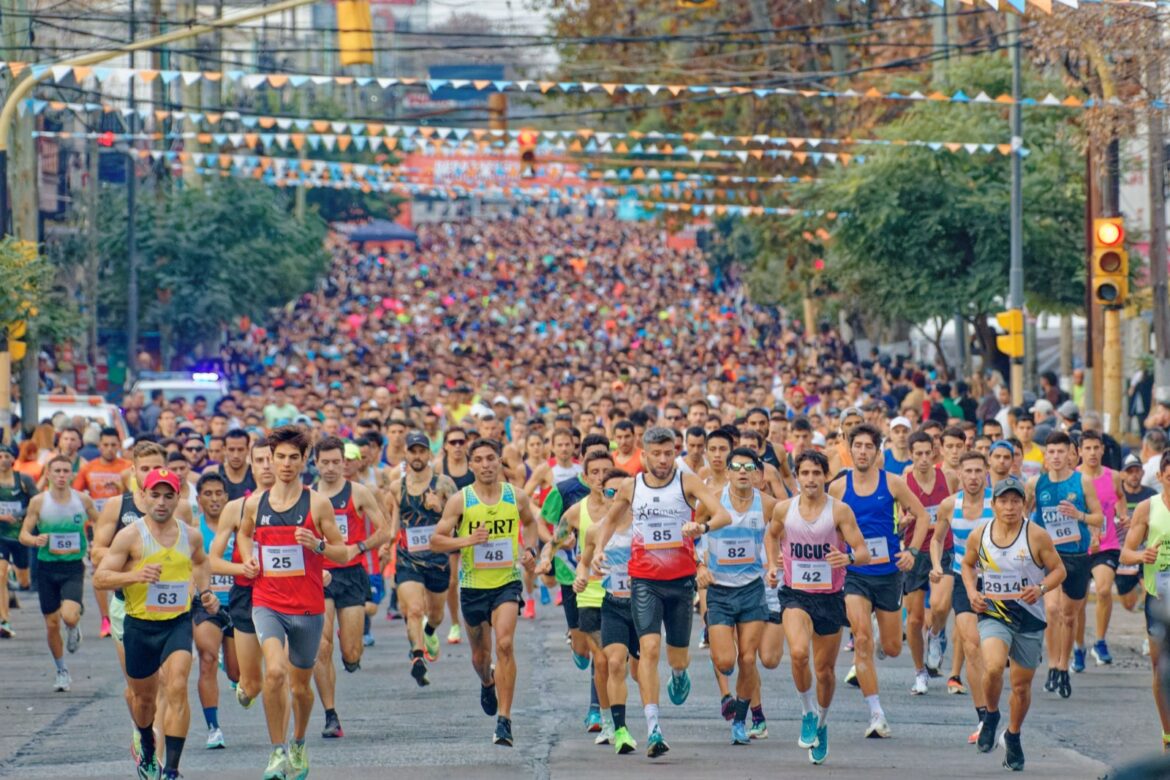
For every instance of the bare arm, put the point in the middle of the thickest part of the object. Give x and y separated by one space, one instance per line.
851 532
444 539
970 577
324 518
31 516
774 538
699 493
942 527
1045 550
111 572
368 503
905 496
620 505
1138 528
538 478
223 533
1095 516
104 529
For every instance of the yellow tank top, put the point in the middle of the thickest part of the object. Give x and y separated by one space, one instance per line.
594 593
494 563
171 595
1156 576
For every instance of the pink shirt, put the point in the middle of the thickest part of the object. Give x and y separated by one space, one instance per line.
805 546
1107 495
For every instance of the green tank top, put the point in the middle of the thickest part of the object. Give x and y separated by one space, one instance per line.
496 562
14 501
594 593
65 525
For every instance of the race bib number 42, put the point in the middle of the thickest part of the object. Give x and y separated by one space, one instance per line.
494 554
811 575
282 560
166 597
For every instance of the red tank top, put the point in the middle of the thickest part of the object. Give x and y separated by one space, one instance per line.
241 580
931 501
349 521
290 575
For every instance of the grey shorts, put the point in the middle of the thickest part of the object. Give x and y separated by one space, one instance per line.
302 633
1024 647
730 606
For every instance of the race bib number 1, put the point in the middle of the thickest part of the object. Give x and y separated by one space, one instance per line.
662 534
494 554
879 550
812 575
282 560
166 597
64 544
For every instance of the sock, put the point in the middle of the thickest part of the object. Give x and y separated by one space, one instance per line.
174 751
808 701
822 715
651 711
741 709
60 662
211 715
606 720
981 712
416 654
330 714
298 742
146 735
875 706
366 625
619 716
594 702
757 713
428 629
677 674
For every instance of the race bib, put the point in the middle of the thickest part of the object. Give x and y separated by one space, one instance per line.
418 538
618 583
1130 571
733 552
282 560
14 508
812 575
662 534
1162 583
1063 530
221 583
343 525
879 550
932 512
167 597
98 504
494 554
64 544
1002 586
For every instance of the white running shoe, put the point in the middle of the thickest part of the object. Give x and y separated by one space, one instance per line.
215 739
934 651
606 735
921 683
878 727
73 638
63 681
877 638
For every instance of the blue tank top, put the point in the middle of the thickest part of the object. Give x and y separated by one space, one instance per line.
221 584
1070 535
735 552
893 465
878 521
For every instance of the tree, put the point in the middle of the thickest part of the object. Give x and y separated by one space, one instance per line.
30 293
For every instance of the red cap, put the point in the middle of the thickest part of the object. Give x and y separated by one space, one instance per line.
161 476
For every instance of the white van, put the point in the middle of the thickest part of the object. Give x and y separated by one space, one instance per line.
94 408
183 384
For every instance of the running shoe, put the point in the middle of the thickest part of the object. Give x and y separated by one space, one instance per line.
934 651
739 734
545 598
430 643
278 765
808 730
332 728
171 774
503 735
974 737
655 744
243 699
679 687
759 729
986 740
13 602
593 720
704 640
63 681
368 640
1052 681
298 761
955 685
851 677
1013 752
727 708
151 771
418 670
105 630
878 727
6 631
135 745
819 752
529 612
582 661
1101 653
622 742
877 637
455 635
351 666
487 699
1064 685
606 735
215 739
558 597
73 638
1078 660
921 683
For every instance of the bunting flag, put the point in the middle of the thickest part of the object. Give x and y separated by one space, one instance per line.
110 76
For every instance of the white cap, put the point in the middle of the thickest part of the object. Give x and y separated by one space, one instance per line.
900 422
500 399
818 439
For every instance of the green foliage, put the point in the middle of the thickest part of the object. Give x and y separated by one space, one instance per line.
30 293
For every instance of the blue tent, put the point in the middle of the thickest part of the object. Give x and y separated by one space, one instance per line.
382 230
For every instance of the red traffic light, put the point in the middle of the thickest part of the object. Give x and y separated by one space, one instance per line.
1109 233
106 139
526 138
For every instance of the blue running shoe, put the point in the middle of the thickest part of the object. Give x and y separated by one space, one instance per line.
739 735
1101 653
593 721
1078 662
545 598
679 687
656 745
582 661
819 753
808 731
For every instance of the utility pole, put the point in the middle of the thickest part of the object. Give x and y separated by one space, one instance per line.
1016 270
1158 257
131 228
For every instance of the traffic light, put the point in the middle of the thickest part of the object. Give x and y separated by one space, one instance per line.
16 333
689 4
1011 342
526 140
355 35
1110 262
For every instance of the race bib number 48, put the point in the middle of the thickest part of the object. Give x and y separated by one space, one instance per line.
282 560
494 554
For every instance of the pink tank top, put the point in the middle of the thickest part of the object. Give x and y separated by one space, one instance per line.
1108 498
805 546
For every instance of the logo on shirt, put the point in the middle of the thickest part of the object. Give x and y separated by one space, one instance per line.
265 519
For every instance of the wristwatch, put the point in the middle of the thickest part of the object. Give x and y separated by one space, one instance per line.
362 548
852 558
1043 589
706 527
320 548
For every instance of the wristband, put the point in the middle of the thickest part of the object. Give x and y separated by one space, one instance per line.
203 593
706 528
362 548
320 548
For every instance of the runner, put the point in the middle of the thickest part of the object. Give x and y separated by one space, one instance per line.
876 587
1066 506
731 566
101 479
16 491
1105 549
1128 575
958 516
214 634
627 456
1007 568
483 522
345 596
288 599
693 459
1149 529
422 576
1032 465
813 530
455 466
897 457
155 562
55 524
662 567
932 486
235 469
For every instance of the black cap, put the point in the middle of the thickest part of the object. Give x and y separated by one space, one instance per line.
416 439
1008 484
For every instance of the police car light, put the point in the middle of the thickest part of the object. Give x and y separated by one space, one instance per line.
205 376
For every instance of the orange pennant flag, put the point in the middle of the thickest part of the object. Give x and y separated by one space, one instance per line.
16 68
320 125
343 142
147 76
344 81
374 128
675 89
481 84
267 122
82 72
1004 149
277 80
609 88
203 138
225 160
545 86
214 118
251 139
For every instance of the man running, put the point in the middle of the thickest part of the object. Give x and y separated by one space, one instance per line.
345 596
213 629
55 525
16 491
627 456
817 534
288 597
483 522
897 457
873 495
453 465
1105 550
1066 507
235 469
662 566
1008 566
101 479
155 562
1129 576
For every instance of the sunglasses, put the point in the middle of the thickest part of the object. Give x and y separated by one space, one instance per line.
749 467
609 492
456 442
673 417
193 449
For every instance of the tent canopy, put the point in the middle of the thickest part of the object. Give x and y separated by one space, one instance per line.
382 230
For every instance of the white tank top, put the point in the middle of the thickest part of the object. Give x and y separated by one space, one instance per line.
561 473
1006 571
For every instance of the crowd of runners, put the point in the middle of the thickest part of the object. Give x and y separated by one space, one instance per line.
496 425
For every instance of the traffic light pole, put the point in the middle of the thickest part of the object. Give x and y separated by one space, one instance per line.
1016 270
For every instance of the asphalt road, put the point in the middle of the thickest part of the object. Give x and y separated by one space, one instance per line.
392 726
